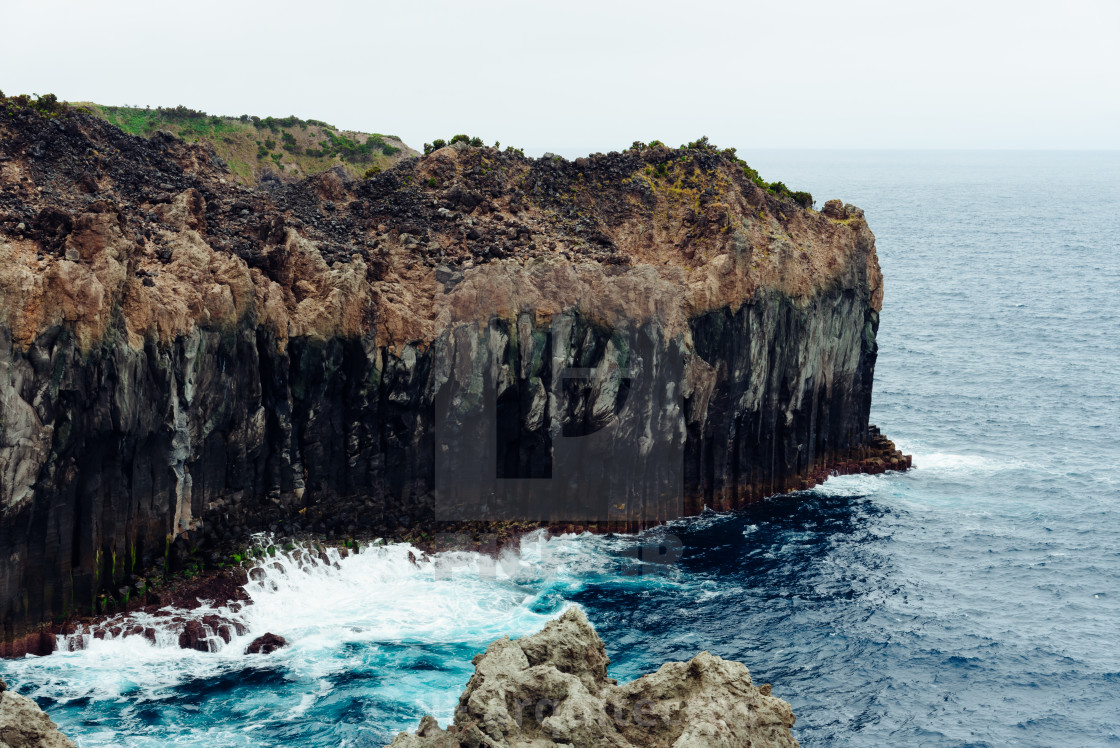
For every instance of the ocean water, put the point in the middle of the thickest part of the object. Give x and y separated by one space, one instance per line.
973 601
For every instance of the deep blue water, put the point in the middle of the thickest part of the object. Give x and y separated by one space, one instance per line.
974 601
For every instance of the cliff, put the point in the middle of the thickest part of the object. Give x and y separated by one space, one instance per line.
552 688
469 336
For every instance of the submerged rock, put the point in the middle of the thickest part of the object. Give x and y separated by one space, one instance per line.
552 688
24 725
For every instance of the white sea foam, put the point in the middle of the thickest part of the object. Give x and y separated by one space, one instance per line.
854 485
381 596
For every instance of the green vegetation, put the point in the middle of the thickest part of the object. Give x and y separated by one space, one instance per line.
48 104
438 143
804 199
250 145
702 144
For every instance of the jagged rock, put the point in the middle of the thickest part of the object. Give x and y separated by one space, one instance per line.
194 636
551 688
266 644
24 725
197 633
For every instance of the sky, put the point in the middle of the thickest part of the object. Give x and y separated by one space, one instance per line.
581 77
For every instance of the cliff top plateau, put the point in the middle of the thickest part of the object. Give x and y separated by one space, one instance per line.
260 150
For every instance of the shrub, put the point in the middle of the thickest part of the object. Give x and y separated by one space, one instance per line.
182 112
752 175
371 171
637 145
476 142
802 198
702 144
431 181
461 139
47 104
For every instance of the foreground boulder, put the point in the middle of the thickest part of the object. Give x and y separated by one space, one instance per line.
552 688
24 725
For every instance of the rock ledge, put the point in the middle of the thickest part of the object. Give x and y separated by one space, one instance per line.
552 688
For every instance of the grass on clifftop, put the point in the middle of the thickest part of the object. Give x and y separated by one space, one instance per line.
252 146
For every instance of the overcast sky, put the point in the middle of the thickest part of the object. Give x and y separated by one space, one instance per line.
594 76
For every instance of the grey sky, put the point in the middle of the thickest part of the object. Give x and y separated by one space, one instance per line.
594 76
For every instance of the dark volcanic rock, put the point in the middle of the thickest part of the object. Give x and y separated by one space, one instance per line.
266 644
197 634
469 336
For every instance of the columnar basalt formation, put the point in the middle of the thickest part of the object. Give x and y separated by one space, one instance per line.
472 335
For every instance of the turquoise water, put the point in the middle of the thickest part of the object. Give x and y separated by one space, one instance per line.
972 601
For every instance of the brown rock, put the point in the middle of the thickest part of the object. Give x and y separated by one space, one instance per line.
834 209
266 644
194 636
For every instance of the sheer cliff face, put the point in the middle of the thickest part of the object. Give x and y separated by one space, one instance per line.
471 335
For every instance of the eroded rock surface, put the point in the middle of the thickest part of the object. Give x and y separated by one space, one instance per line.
552 688
24 725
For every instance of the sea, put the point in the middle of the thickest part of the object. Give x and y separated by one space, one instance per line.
972 601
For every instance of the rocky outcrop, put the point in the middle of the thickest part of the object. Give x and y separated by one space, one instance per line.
24 725
474 335
552 688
